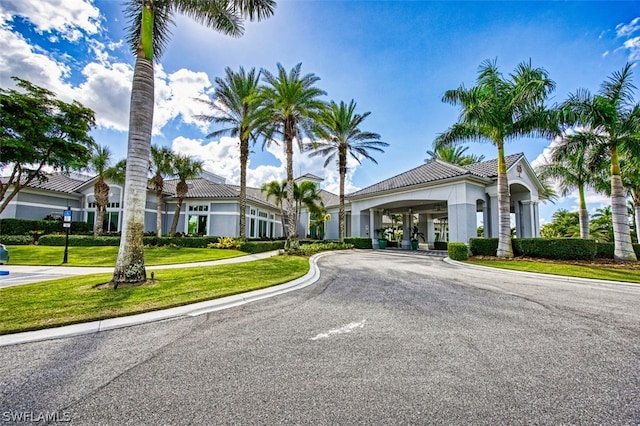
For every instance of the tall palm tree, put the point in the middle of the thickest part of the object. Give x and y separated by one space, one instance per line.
569 165
99 162
277 190
613 122
291 105
499 110
236 105
186 169
148 35
454 155
340 136
161 166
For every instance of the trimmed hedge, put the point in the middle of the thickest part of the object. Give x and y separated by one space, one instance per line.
78 240
192 242
16 240
604 250
555 248
360 243
440 245
24 226
483 246
261 246
458 251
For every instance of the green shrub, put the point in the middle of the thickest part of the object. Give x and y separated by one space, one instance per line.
458 251
360 243
16 240
261 246
440 245
555 248
604 250
24 226
636 249
227 243
78 240
483 246
309 249
193 242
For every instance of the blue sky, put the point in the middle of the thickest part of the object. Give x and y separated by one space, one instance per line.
395 58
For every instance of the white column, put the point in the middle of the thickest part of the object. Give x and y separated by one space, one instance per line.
406 231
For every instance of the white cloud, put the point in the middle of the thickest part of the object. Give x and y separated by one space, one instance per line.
222 157
174 97
633 46
21 59
107 91
70 18
625 30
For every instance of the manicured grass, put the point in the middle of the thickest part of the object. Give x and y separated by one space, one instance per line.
600 271
106 255
73 300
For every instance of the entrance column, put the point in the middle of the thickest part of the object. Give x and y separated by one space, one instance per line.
431 231
407 226
462 222
374 221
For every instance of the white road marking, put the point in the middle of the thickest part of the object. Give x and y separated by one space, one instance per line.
342 330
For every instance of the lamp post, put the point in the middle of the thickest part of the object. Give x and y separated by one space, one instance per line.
66 223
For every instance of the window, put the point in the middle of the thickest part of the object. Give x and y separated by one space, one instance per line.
199 208
109 221
197 224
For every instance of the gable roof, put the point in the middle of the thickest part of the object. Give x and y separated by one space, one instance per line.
435 171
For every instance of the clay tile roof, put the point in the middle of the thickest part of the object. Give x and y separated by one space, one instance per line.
202 188
490 168
433 171
59 182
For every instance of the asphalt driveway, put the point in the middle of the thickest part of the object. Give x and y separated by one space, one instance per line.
379 339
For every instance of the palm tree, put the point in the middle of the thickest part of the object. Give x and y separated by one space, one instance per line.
613 124
236 105
499 110
161 166
99 162
569 165
340 136
602 224
277 190
148 34
564 224
186 169
291 105
454 155
305 194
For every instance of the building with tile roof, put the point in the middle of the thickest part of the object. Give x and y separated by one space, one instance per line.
444 200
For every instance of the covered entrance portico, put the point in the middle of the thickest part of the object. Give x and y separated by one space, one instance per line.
448 202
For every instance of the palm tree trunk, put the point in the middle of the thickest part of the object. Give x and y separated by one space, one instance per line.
635 196
583 215
291 226
623 248
101 195
159 213
244 156
130 263
504 208
176 216
341 213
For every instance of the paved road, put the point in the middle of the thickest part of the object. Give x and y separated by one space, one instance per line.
379 339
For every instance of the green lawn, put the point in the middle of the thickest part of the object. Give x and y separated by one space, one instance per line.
106 256
79 299
612 272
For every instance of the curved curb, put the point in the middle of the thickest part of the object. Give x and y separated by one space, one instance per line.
193 309
540 275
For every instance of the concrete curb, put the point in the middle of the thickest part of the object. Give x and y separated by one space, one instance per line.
194 309
539 275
